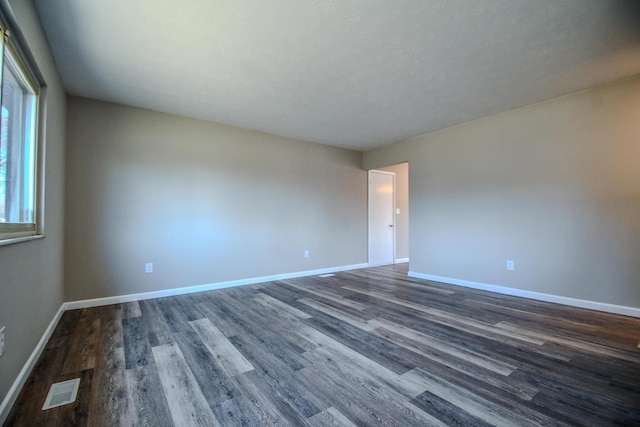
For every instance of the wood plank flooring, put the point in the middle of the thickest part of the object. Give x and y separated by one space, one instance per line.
364 347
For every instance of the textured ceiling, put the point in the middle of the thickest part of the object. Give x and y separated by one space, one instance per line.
349 73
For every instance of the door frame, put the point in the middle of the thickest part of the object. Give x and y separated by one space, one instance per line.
393 213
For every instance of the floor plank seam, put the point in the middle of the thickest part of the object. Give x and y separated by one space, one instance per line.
363 347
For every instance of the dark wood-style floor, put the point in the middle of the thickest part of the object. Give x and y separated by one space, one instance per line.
365 347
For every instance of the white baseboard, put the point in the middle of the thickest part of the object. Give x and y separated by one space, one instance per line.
201 288
401 260
12 394
575 302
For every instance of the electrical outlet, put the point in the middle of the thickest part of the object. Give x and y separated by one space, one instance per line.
2 341
148 267
306 253
511 265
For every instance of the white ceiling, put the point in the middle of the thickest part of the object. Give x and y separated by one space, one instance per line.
349 73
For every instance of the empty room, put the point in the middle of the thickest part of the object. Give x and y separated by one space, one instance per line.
336 213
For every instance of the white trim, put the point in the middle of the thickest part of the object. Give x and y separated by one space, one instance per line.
558 299
201 288
12 240
16 387
401 260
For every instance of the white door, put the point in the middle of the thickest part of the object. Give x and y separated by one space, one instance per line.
381 217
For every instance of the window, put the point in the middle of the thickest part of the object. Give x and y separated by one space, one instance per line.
18 150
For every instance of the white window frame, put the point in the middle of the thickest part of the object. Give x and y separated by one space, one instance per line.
11 232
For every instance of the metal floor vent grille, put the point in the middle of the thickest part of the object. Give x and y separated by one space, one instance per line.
62 393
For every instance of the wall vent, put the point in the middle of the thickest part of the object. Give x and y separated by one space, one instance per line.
62 393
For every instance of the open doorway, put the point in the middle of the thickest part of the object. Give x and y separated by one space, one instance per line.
393 246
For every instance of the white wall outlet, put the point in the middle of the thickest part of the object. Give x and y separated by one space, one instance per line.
397 211
2 341
306 253
148 267
511 265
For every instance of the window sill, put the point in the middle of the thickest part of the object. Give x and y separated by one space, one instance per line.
21 239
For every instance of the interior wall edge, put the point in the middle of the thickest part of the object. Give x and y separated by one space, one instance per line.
199 200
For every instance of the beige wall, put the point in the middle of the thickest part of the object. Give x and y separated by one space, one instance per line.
204 202
554 186
31 285
402 202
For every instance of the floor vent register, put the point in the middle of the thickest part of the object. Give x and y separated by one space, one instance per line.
62 393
